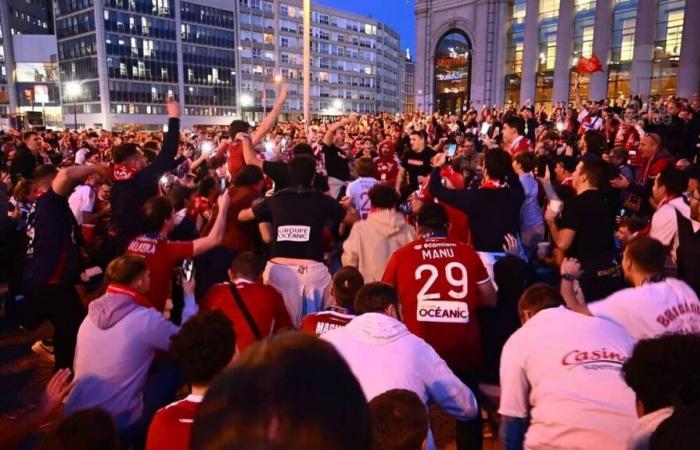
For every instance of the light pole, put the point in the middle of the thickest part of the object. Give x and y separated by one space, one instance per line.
307 60
73 91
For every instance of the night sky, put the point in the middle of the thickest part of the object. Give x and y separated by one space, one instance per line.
398 14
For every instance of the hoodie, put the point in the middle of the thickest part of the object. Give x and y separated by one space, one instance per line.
116 345
384 355
372 241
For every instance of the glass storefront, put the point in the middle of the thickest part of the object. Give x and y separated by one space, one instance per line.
453 72
667 50
514 51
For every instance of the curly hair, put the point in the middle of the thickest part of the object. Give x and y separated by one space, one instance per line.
204 346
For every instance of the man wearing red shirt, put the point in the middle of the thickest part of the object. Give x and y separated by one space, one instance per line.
260 303
514 140
202 348
346 282
459 222
161 254
387 165
441 282
232 151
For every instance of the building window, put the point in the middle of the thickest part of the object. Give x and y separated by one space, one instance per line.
622 48
514 50
669 31
453 72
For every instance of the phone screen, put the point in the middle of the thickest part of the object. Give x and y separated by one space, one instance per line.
451 149
484 129
222 184
187 269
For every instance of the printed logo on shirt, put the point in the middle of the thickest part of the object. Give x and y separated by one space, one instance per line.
442 311
415 162
293 233
323 327
143 246
600 359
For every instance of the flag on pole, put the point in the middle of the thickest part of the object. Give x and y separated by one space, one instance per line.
589 65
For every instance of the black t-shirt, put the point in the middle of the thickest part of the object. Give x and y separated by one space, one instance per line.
417 165
336 162
298 217
279 172
53 234
588 215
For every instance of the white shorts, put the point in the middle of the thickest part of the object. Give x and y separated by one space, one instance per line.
305 288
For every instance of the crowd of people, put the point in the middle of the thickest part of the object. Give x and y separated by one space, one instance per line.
374 282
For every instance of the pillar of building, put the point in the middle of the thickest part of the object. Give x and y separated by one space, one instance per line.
565 47
501 53
424 58
689 65
531 46
602 39
103 82
644 36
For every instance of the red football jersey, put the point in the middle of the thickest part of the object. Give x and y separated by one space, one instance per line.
436 280
323 321
264 303
161 258
171 427
459 229
387 170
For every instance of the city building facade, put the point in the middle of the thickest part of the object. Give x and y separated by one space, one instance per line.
29 82
466 56
409 85
120 59
355 60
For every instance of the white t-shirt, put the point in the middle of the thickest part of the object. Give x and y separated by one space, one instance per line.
80 155
668 306
358 191
664 223
562 370
81 200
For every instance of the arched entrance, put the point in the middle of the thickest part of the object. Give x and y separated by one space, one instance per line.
453 64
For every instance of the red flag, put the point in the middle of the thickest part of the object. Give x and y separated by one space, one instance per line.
589 65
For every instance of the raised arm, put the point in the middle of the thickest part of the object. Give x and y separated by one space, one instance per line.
269 121
249 154
570 271
69 177
166 158
328 137
204 244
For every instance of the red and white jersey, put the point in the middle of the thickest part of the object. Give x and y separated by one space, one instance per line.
358 191
324 321
171 427
161 257
436 279
387 169
589 122
519 145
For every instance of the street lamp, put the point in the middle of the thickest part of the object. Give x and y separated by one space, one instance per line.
73 91
278 78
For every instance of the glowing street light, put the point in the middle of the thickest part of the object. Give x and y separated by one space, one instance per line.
278 78
338 105
246 100
73 91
